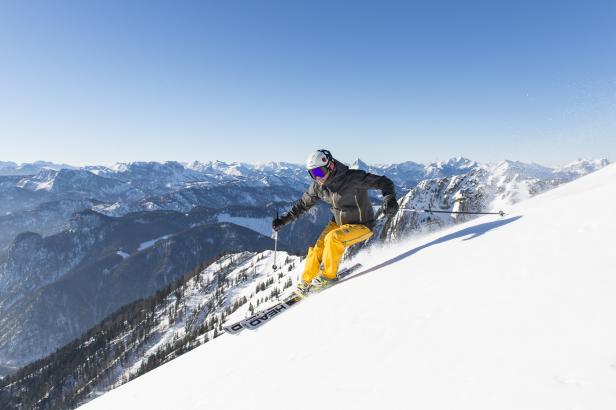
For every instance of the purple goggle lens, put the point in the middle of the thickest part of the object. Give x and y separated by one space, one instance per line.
319 172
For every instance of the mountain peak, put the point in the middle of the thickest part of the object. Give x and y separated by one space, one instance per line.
461 162
359 164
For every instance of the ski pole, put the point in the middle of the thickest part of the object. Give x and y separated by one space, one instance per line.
501 213
275 249
275 235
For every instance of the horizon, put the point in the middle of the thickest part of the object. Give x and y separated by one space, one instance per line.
301 164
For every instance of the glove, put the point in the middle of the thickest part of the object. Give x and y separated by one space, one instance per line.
390 205
278 223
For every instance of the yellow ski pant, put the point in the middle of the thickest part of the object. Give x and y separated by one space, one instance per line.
330 247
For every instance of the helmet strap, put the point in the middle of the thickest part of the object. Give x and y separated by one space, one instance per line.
327 154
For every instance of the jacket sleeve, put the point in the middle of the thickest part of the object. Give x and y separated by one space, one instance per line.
371 181
307 201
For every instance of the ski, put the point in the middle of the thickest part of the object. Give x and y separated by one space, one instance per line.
259 319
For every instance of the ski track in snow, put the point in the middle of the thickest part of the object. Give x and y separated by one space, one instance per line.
511 313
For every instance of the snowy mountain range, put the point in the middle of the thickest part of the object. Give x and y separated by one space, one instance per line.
95 267
518 306
61 226
40 201
153 176
44 202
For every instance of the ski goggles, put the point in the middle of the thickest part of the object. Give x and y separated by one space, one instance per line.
319 172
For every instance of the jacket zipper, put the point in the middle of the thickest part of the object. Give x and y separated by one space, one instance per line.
358 207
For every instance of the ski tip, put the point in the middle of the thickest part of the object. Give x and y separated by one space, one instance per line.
233 329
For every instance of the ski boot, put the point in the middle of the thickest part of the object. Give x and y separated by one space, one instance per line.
303 288
321 282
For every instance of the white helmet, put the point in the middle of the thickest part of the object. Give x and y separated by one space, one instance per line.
319 158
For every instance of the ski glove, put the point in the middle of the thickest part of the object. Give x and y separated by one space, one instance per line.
390 205
278 223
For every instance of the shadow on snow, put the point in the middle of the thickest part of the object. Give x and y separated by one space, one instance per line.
474 231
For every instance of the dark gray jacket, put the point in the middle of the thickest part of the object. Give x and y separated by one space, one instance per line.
346 191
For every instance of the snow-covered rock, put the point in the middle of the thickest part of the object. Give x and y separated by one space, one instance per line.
583 166
484 188
453 166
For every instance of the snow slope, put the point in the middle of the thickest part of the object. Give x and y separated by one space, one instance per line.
511 313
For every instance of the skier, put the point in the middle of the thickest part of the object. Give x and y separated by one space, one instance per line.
346 191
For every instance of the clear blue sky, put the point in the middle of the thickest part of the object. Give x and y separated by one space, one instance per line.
104 81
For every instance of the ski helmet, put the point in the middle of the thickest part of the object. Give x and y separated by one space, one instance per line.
319 158
320 164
